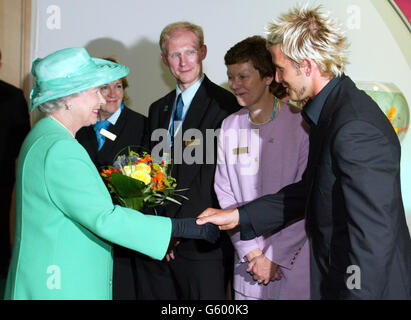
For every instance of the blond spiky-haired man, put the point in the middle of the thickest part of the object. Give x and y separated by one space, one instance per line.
351 189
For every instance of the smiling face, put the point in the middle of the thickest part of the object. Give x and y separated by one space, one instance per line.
289 75
113 93
184 57
85 107
247 84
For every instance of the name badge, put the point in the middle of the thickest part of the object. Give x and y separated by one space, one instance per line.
194 142
241 150
108 134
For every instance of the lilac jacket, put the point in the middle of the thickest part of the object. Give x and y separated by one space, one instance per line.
255 160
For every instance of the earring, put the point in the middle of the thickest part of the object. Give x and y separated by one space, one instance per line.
68 107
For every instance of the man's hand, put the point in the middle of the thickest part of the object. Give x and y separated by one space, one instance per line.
225 219
264 270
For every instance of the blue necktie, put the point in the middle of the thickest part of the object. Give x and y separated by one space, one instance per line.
97 127
179 109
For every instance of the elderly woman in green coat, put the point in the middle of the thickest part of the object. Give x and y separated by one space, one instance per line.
66 220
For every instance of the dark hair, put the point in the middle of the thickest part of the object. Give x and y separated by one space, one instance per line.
254 49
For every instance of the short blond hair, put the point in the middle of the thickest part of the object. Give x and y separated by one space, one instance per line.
310 33
167 33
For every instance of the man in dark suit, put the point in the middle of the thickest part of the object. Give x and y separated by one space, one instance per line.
15 126
193 269
350 191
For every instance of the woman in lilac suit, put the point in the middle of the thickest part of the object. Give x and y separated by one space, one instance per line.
262 148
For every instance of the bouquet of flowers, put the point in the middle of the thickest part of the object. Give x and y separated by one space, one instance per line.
136 181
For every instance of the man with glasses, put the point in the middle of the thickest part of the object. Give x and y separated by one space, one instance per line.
193 269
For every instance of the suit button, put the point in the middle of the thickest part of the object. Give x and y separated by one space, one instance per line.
111 282
292 262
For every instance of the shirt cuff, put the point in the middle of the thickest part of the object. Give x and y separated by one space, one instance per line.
246 229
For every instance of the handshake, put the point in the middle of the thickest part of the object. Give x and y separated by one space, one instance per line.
207 226
187 228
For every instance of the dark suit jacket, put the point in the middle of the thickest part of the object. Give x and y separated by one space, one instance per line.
351 196
210 106
130 129
13 130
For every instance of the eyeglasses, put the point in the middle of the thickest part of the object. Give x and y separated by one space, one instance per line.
189 54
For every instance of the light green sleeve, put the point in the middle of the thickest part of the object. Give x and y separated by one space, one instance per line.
76 188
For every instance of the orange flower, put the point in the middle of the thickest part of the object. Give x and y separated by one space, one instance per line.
145 159
160 176
158 179
106 173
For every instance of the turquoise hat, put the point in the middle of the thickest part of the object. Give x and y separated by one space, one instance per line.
68 71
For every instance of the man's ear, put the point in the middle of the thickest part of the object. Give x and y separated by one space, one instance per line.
307 66
163 57
203 51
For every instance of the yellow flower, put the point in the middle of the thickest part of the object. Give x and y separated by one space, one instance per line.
140 172
143 167
142 176
129 169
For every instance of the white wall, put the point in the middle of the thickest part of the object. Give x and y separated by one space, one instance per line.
130 29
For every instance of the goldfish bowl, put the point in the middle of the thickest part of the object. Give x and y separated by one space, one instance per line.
392 102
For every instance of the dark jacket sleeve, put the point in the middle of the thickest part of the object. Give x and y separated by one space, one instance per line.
273 212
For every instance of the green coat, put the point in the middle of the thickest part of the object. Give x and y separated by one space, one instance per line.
66 221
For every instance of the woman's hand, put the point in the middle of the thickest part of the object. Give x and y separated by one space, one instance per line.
188 229
264 270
